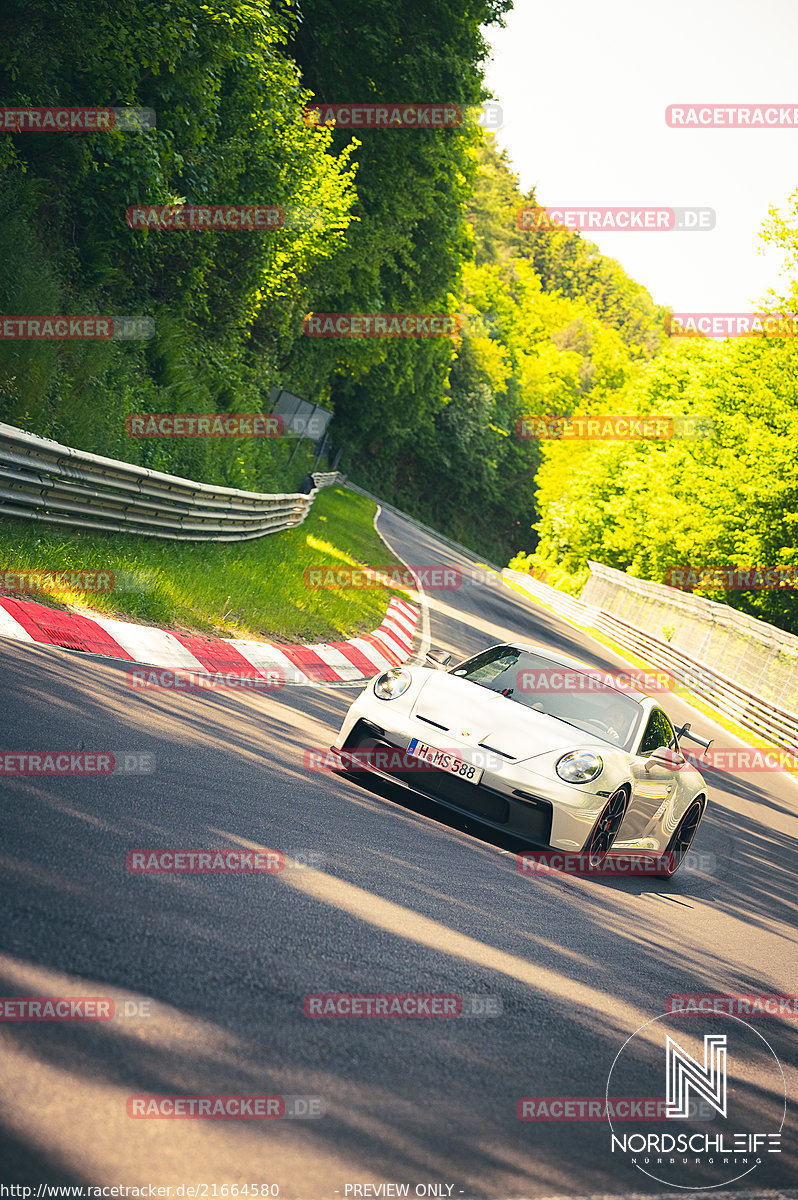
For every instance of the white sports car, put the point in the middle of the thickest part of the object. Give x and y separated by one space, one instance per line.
539 746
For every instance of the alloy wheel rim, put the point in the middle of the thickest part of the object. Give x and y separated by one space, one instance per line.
683 837
607 826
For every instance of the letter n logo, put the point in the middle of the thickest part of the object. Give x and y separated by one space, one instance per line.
682 1072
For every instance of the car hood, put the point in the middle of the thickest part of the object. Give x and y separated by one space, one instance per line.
474 715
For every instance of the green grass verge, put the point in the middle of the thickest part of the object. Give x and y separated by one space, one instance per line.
236 589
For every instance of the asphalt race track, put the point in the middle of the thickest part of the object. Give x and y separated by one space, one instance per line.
208 971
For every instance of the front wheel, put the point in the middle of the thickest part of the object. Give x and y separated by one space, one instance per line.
682 838
606 828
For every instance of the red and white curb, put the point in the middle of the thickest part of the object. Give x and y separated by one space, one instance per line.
357 659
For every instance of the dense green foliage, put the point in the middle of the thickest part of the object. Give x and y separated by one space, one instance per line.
397 221
384 226
728 500
528 346
229 107
383 220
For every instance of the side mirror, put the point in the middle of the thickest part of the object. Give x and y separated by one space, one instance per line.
663 756
438 660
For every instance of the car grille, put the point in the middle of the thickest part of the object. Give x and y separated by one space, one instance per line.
537 817
532 821
440 785
475 798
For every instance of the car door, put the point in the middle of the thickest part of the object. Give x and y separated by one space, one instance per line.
654 784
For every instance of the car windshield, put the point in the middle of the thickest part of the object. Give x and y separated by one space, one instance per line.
580 697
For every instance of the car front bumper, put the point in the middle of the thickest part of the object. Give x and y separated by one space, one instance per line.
543 811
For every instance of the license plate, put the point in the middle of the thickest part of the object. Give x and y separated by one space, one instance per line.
445 760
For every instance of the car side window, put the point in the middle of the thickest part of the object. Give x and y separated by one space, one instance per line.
659 732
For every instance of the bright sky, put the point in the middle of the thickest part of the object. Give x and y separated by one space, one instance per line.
584 86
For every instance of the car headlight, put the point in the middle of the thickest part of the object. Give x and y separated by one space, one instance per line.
580 766
392 683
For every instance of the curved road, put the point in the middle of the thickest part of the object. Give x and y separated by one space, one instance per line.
209 971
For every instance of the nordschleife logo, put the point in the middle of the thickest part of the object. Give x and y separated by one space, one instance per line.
723 1068
683 1074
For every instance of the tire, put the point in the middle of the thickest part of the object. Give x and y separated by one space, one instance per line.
682 837
606 828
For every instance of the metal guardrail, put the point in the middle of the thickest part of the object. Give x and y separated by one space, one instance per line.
565 605
327 478
748 710
760 656
41 480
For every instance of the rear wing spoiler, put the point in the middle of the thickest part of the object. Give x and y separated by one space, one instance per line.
684 731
